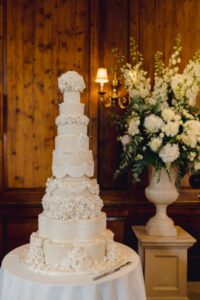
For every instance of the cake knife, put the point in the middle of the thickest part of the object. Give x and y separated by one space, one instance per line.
111 271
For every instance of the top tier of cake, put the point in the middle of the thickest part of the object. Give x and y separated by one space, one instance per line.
72 156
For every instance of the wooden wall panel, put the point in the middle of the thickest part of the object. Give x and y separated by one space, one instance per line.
1 239
1 93
39 41
114 34
23 227
93 107
44 39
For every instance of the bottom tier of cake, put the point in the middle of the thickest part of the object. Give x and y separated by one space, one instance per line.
44 255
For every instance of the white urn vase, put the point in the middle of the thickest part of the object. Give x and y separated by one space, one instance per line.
162 192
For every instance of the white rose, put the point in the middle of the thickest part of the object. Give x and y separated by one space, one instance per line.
171 128
125 139
168 114
169 153
155 143
133 126
153 123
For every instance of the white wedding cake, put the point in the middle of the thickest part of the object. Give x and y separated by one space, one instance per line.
72 234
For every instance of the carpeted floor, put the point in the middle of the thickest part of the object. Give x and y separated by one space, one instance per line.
193 290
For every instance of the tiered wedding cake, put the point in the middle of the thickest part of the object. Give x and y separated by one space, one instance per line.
72 234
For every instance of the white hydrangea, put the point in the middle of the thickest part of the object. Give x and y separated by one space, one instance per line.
192 156
125 139
155 144
171 128
168 114
133 126
139 157
197 165
189 140
71 81
169 153
153 123
192 127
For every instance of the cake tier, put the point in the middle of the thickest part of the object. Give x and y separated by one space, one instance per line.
72 198
72 129
68 109
56 253
74 164
44 254
71 97
71 230
67 143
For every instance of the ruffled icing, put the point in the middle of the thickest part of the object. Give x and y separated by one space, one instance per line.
72 119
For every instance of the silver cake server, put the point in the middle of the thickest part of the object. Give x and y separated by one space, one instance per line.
111 271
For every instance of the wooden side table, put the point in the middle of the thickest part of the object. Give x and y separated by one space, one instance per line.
164 261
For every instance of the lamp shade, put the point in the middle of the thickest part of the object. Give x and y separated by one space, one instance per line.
102 76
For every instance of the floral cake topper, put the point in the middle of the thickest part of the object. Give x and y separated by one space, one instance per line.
71 81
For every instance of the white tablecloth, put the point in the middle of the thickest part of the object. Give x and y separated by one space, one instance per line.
17 282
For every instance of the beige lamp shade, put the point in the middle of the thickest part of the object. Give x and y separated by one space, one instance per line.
102 76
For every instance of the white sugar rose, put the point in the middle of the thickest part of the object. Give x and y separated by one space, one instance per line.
169 153
133 126
155 143
71 81
153 123
171 128
168 114
125 139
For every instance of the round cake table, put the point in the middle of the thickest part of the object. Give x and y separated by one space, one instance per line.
17 282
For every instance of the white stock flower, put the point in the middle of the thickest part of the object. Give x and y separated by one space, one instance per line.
155 143
160 90
135 81
168 114
133 126
178 85
169 153
153 123
171 128
125 139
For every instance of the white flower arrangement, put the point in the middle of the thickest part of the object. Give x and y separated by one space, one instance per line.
161 126
71 81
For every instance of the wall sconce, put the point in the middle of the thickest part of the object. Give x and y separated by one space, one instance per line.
101 78
114 97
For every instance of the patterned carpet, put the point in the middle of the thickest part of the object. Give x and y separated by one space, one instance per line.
194 290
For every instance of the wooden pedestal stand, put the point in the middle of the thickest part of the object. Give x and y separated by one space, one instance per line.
164 261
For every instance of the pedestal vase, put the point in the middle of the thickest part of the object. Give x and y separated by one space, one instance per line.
162 192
